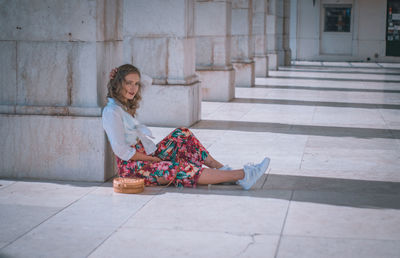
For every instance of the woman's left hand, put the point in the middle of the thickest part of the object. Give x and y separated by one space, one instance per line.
156 159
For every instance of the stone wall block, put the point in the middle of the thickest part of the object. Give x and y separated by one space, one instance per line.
181 65
72 20
109 55
258 23
240 4
75 153
155 17
217 85
271 24
221 51
240 48
211 19
8 155
240 22
109 20
83 73
8 72
245 74
150 55
261 66
204 51
44 73
259 5
259 44
171 105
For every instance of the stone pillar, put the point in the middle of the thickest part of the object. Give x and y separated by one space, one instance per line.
286 32
278 20
260 9
52 86
213 49
242 44
159 40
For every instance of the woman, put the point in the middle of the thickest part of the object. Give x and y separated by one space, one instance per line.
178 158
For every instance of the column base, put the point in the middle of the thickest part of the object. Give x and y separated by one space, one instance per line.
261 66
217 85
273 62
244 73
170 105
55 148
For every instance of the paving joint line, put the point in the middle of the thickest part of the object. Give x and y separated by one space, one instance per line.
283 225
6 186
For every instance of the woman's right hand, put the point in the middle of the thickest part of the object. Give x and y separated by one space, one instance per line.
113 73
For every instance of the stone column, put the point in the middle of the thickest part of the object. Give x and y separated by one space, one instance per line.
213 49
278 22
52 86
260 9
242 44
286 32
159 40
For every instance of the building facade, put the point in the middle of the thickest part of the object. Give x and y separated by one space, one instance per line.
345 30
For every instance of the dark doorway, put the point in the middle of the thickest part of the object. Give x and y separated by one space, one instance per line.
393 28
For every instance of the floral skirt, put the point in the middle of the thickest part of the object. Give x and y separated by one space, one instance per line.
182 157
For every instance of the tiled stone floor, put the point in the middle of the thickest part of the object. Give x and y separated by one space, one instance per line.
332 131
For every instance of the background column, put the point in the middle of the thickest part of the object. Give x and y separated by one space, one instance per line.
242 44
260 9
159 40
213 49
278 20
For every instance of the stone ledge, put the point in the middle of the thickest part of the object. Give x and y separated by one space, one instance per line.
50 110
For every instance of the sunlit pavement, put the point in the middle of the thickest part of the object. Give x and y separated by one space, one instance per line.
332 131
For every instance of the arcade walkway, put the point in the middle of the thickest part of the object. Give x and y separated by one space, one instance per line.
332 131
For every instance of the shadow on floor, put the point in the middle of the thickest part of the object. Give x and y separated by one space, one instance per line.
315 103
326 89
334 131
330 191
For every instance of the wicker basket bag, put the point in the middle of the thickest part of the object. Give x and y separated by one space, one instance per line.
128 185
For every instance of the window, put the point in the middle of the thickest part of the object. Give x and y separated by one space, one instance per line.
337 18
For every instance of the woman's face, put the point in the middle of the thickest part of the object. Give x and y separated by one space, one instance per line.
130 86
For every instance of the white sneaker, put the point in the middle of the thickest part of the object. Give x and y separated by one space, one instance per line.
225 167
252 173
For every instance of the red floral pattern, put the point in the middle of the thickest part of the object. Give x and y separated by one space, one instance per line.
182 156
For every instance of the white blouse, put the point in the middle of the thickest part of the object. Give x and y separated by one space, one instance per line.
123 130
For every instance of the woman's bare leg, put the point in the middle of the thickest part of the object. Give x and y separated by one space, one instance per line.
209 176
212 176
212 163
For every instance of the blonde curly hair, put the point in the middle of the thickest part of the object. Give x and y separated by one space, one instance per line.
115 86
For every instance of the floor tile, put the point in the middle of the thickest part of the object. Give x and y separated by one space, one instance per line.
391 118
50 240
340 159
5 183
343 215
213 212
46 194
290 114
312 247
97 210
144 242
17 220
351 117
